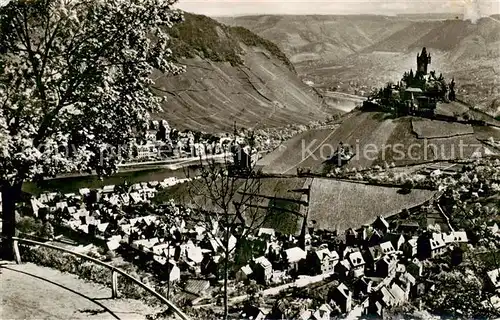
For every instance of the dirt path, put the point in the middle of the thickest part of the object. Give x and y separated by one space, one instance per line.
29 291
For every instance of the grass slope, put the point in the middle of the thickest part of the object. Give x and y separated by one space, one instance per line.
313 148
430 129
339 205
195 194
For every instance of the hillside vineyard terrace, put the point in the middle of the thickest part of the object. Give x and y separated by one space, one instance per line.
425 151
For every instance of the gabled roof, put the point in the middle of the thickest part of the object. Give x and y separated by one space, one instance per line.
262 261
268 231
197 287
323 312
395 238
356 259
397 293
102 226
459 236
375 234
387 297
351 232
322 253
382 220
389 259
406 277
346 264
295 254
61 205
108 188
494 276
342 288
436 241
412 242
413 89
194 253
160 259
246 270
84 191
387 247
305 315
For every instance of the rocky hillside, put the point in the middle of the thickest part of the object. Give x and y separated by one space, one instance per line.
356 53
233 76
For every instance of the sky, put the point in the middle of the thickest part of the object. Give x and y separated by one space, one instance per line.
472 9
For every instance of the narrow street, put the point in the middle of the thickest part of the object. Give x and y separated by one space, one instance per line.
303 281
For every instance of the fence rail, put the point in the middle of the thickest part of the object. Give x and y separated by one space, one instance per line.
114 272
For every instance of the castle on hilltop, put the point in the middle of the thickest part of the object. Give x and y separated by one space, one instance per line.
416 93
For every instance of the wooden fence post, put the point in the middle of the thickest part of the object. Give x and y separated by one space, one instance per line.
114 284
16 251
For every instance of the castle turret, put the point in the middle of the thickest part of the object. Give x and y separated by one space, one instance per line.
423 60
452 94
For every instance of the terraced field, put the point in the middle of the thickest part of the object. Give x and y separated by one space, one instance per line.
485 133
454 148
337 205
429 129
334 205
276 211
455 108
293 153
313 149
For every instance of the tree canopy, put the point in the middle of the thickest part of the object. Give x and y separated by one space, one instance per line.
75 79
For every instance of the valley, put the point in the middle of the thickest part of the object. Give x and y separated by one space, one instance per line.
254 167
355 54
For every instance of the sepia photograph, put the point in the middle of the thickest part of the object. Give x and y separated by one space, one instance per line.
249 159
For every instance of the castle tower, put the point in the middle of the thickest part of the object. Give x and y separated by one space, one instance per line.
423 60
452 95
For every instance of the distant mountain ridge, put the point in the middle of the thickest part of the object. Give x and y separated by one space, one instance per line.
321 38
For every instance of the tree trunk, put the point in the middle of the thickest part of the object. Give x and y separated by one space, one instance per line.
11 194
226 267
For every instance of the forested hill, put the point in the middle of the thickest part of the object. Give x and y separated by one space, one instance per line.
232 75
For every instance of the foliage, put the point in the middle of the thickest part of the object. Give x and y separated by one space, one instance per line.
247 250
72 72
251 39
280 218
28 225
47 230
458 294
227 206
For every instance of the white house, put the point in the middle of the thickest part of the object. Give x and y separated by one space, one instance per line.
358 263
293 256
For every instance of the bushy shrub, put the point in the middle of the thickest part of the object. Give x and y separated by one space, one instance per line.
27 224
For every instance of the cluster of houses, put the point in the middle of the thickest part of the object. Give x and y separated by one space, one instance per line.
97 212
373 268
377 267
162 142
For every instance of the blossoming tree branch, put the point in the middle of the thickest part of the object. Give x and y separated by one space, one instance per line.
75 80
